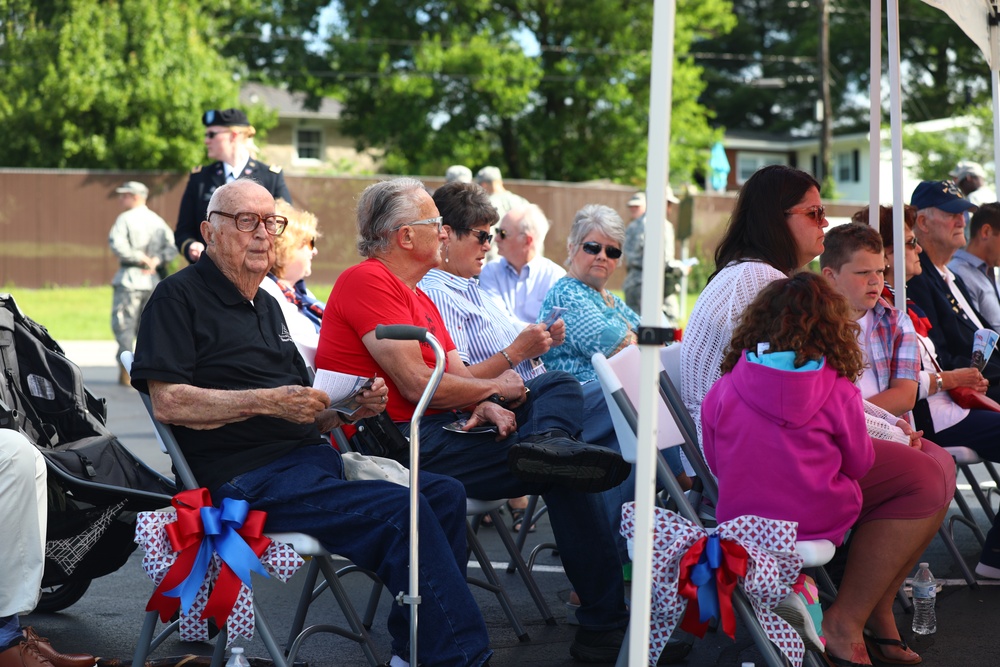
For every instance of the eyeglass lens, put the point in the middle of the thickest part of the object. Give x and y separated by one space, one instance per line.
212 134
483 237
312 243
273 224
594 248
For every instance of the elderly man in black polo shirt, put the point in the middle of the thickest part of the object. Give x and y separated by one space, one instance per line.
216 358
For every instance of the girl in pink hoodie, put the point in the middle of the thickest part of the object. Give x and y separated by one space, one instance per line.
784 428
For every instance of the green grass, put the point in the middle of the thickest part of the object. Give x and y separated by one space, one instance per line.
69 313
84 313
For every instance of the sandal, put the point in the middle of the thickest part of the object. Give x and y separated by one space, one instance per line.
517 518
875 644
834 661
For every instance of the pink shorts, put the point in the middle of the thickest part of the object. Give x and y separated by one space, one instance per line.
906 483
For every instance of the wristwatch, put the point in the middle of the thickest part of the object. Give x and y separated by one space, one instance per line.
939 383
498 399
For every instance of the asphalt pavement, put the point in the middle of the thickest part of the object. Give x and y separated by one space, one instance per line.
106 621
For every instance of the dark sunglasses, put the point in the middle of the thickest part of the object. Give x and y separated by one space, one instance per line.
504 234
480 236
212 134
817 213
594 248
312 243
911 244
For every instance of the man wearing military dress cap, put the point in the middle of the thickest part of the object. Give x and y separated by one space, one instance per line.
229 141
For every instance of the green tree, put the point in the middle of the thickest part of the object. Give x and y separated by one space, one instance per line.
436 83
116 85
939 152
764 74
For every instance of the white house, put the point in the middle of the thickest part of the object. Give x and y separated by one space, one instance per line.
749 151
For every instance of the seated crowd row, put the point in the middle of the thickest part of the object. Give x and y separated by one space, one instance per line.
229 370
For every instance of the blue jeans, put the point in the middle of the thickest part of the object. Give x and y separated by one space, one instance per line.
585 539
598 429
368 522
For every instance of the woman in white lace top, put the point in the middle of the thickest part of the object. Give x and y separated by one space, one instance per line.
776 229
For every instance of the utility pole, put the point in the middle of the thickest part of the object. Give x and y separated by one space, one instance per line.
825 177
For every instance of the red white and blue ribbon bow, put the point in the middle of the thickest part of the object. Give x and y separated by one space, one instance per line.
201 558
696 571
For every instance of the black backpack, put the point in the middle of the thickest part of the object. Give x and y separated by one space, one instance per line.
96 485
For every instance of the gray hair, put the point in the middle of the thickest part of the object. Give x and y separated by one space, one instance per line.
534 222
381 207
595 217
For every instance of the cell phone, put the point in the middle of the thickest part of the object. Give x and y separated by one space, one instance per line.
553 315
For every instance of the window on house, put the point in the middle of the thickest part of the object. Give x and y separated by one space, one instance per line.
748 163
848 166
309 144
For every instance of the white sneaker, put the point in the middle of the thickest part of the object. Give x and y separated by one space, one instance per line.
793 610
987 571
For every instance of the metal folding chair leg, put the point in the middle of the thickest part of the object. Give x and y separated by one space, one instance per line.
492 583
517 562
357 632
956 555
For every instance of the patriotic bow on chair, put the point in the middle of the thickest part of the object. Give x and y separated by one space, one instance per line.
695 573
200 560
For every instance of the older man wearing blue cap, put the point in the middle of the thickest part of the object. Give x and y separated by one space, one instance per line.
940 231
229 141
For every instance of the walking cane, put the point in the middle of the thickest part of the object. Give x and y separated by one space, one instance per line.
405 332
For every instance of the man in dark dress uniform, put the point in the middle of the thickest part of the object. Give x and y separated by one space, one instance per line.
228 134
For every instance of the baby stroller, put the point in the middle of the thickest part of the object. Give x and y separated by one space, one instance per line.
95 485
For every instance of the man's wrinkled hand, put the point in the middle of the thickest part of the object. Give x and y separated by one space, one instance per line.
489 413
299 404
372 400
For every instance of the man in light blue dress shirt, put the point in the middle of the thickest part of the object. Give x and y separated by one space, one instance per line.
522 276
975 265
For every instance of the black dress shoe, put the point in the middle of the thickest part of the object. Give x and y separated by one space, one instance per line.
554 457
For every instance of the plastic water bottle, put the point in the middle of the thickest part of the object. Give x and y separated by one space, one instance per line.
924 595
236 658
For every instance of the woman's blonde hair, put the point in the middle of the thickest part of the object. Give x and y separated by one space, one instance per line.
300 230
803 314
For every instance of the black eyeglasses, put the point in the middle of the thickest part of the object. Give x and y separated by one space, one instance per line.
312 243
594 248
505 233
911 244
481 236
212 134
817 213
248 221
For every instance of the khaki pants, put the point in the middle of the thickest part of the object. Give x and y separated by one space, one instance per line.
126 307
23 508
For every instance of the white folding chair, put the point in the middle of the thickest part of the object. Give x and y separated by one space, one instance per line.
616 376
306 546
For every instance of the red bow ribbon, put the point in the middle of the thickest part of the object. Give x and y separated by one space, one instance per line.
731 565
187 535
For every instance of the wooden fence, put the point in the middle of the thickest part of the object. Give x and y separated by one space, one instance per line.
54 223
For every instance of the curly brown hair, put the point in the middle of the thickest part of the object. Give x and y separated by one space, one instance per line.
804 314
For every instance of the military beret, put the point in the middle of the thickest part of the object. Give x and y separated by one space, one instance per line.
224 117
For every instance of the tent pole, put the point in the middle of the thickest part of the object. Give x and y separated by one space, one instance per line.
896 123
657 175
875 114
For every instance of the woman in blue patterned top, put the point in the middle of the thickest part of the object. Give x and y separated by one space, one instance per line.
596 320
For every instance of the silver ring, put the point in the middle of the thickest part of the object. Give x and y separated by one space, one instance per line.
385 399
